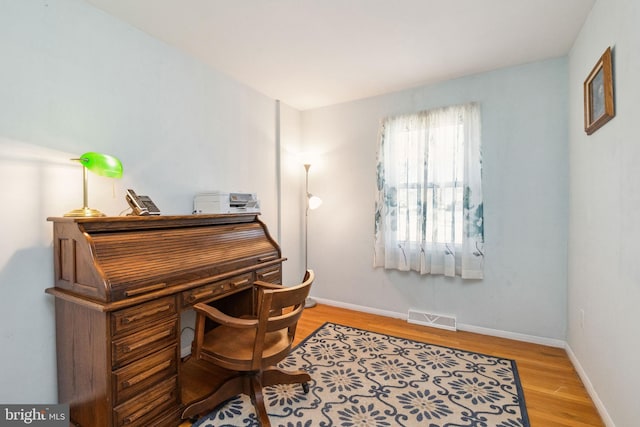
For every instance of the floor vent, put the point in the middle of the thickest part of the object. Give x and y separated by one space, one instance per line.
434 320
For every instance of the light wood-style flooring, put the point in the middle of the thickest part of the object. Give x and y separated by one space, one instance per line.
554 393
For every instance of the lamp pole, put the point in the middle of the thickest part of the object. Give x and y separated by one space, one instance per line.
306 216
309 302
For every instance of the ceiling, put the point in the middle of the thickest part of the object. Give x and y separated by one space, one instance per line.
313 53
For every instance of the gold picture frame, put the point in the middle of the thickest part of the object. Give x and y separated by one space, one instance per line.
598 94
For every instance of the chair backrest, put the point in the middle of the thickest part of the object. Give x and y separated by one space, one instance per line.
278 309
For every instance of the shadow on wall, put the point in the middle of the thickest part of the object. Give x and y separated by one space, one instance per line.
27 332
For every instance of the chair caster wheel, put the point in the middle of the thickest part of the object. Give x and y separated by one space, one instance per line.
305 388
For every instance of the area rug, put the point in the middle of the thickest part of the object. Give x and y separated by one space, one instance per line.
361 378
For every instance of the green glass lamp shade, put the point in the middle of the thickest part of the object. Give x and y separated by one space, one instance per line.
102 164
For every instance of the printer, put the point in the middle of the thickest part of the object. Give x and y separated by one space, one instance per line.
219 202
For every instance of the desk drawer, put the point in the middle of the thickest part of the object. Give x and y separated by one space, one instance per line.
140 375
210 291
137 316
139 344
272 274
150 404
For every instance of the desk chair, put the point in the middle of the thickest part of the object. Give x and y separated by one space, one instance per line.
251 346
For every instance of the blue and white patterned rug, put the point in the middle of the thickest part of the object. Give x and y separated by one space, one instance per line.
361 378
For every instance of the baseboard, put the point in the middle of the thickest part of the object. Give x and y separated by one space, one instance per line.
533 339
602 410
461 327
362 308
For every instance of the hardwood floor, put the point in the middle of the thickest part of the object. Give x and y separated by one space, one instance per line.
554 393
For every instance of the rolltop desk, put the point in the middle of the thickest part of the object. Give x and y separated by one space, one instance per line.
120 286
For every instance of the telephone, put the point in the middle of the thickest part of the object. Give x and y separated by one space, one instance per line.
141 205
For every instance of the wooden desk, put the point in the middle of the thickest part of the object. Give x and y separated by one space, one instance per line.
120 285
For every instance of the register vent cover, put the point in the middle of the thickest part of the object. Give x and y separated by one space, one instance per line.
434 320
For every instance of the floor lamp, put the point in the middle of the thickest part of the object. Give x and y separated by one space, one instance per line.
311 202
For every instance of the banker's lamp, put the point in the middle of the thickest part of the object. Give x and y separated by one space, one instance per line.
312 202
100 164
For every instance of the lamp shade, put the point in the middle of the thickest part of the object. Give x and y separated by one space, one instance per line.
101 164
314 201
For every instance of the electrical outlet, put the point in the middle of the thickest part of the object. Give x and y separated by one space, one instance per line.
582 318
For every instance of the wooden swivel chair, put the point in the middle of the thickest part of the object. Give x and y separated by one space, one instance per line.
250 347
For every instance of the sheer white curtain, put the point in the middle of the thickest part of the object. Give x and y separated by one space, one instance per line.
429 211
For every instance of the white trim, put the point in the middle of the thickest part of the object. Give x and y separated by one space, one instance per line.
602 410
362 308
462 327
278 171
551 342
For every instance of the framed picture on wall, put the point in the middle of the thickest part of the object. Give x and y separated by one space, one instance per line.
598 94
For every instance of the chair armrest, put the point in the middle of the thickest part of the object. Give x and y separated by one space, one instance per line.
267 285
224 319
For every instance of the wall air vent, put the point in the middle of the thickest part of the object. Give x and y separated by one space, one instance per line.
434 320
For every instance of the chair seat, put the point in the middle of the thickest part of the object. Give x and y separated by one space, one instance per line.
237 344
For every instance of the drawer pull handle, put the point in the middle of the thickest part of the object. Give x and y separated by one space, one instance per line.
199 295
146 409
205 293
143 376
239 283
134 317
267 258
269 273
133 292
129 348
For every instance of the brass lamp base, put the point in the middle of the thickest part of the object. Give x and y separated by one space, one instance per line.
84 212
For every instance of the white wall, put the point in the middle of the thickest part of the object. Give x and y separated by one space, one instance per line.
524 115
604 230
73 79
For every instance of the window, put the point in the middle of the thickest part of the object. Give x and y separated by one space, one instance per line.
443 183
429 211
